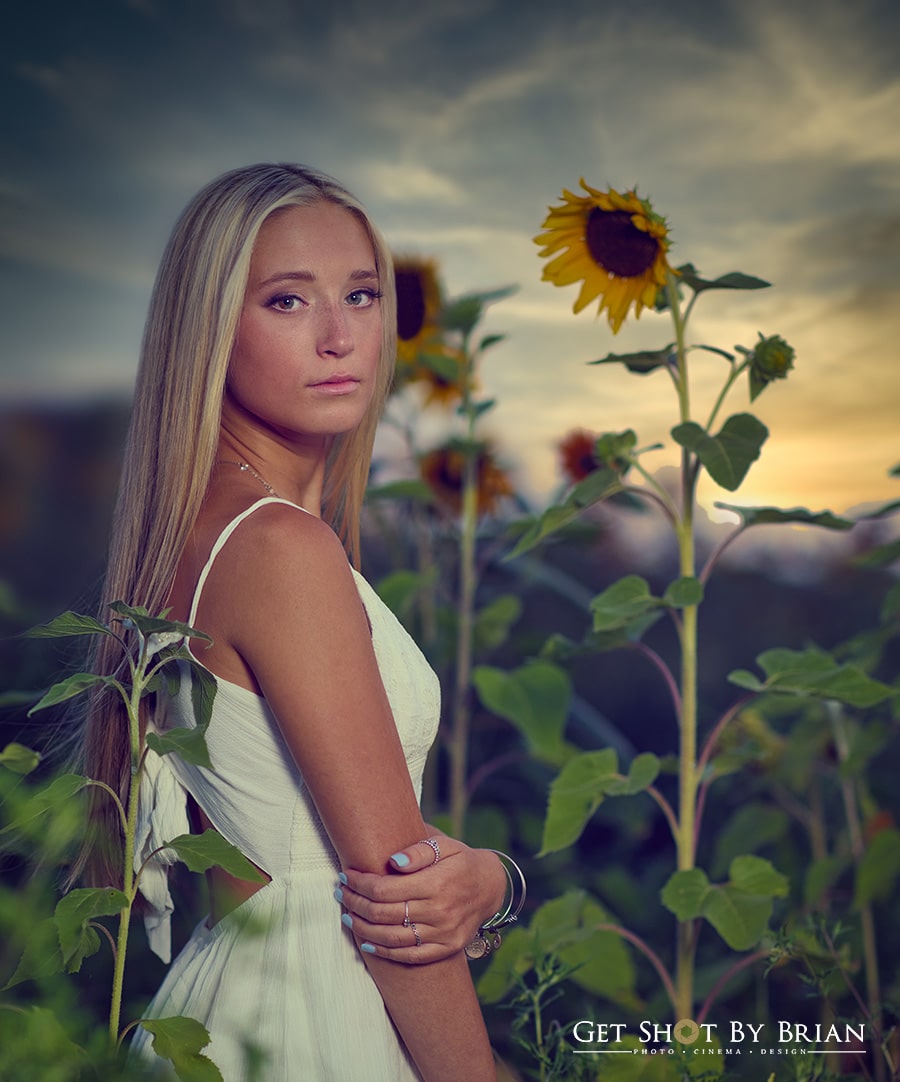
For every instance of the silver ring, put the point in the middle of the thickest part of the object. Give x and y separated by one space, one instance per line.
434 845
415 932
406 921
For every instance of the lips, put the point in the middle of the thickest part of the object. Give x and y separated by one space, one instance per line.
339 383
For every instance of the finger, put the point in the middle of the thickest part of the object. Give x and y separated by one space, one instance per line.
411 956
388 890
390 913
416 857
389 936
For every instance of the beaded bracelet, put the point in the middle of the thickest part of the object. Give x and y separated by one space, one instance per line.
488 938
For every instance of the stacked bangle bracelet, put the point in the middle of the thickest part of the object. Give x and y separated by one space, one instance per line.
487 938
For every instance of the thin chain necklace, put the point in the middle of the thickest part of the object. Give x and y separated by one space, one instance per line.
247 468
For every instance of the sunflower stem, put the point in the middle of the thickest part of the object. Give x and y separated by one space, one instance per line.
687 773
138 685
459 736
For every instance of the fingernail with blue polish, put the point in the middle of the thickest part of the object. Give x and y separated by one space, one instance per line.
400 859
338 894
342 878
347 920
367 948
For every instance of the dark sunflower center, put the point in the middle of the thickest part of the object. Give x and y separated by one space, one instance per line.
410 304
617 245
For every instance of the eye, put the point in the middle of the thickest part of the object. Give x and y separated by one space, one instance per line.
285 302
362 298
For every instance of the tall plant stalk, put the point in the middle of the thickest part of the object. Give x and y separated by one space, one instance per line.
468 582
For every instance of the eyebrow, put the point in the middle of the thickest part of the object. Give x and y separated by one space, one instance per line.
310 276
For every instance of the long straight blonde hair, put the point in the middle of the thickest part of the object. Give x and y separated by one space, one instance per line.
170 451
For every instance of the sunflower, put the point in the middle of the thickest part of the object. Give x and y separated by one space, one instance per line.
442 470
578 454
419 301
614 244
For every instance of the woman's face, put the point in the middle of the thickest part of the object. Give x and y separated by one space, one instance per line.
305 359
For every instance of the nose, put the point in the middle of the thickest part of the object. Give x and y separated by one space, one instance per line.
334 337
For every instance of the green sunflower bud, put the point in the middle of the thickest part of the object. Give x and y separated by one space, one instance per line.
772 358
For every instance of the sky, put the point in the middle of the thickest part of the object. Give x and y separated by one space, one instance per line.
767 134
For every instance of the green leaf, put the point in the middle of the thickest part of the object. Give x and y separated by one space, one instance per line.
739 917
746 680
626 606
684 592
209 849
685 893
68 623
821 876
575 794
189 744
732 280
69 688
597 486
490 340
493 622
399 589
729 455
601 963
55 796
203 694
757 876
155 625
642 362
642 773
414 489
535 698
754 516
878 869
181 1040
42 956
463 313
77 939
565 927
19 759
752 826
815 674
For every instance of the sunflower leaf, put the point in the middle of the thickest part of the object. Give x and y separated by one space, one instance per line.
19 759
642 362
758 516
729 455
66 689
411 489
210 849
597 486
733 280
67 623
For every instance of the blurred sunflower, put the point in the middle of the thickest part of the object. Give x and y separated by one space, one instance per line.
578 453
419 302
614 244
442 470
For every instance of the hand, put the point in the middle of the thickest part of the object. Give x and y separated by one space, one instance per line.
447 901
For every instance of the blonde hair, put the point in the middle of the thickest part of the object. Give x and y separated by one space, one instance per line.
170 451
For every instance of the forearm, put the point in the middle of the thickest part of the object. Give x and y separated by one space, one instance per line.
436 1012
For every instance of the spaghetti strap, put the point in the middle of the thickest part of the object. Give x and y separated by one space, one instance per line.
219 544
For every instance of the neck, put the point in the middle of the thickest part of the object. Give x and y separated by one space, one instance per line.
295 475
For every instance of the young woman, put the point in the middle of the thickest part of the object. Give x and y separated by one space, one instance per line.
266 361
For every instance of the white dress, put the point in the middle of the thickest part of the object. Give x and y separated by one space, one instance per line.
279 974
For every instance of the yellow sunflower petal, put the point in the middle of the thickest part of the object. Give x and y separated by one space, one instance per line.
620 260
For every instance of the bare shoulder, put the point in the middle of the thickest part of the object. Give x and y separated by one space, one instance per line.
279 557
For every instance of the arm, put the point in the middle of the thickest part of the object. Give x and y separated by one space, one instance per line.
447 900
297 621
